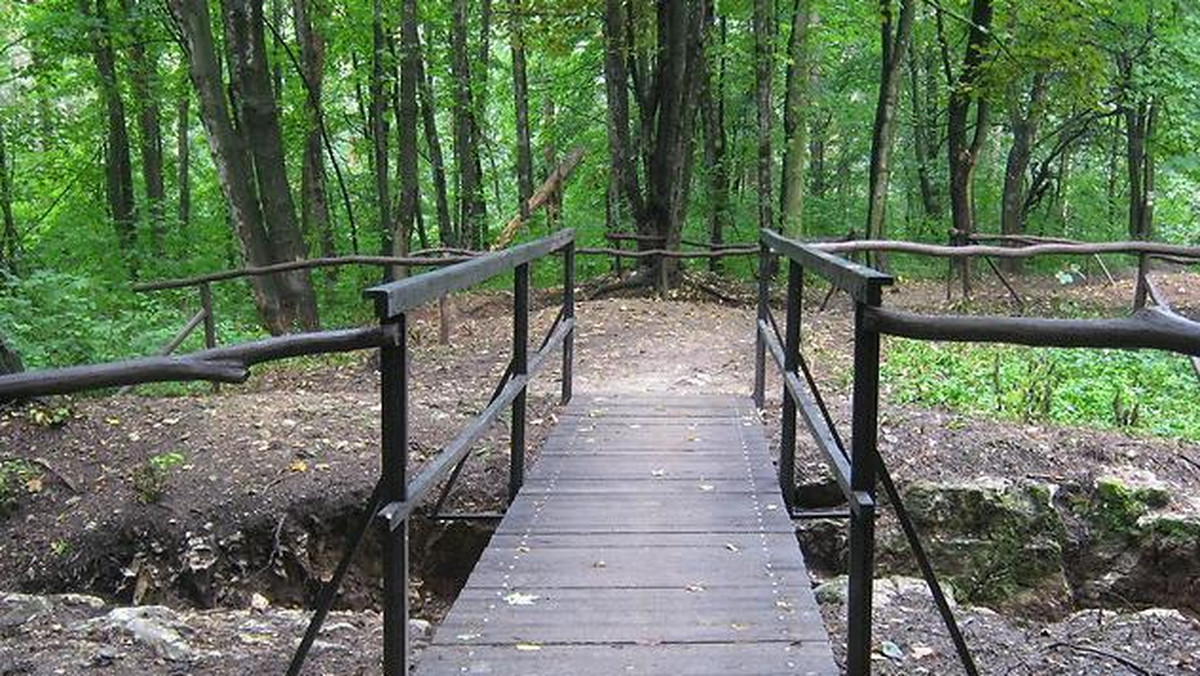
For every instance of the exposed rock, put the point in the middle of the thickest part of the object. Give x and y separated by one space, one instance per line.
156 627
997 542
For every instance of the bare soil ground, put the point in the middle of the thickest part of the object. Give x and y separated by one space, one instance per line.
274 472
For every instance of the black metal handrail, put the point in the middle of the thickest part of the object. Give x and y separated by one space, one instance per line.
396 496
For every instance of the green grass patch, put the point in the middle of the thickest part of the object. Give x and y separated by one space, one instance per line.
1150 392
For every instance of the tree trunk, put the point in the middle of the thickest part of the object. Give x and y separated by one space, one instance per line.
521 106
446 233
894 49
922 135
764 68
10 361
9 239
379 130
143 71
1140 121
963 154
118 166
314 191
817 146
232 159
795 125
712 107
259 117
406 127
1024 129
183 154
466 152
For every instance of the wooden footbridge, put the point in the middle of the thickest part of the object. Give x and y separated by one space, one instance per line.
649 538
654 534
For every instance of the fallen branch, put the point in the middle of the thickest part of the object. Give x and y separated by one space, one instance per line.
664 253
942 251
540 198
224 364
1133 666
307 264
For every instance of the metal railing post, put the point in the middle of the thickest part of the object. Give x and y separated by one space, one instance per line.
791 363
863 459
568 351
520 362
393 370
760 346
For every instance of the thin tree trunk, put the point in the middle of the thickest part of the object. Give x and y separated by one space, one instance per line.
1016 183
764 60
446 233
712 107
962 153
553 208
118 165
795 125
9 238
183 162
314 191
379 129
521 107
817 145
406 127
922 145
466 151
894 49
143 71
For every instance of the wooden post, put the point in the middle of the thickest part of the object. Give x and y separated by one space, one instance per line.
210 323
520 362
393 369
1142 290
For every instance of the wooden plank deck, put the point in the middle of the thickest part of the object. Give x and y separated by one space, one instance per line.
650 538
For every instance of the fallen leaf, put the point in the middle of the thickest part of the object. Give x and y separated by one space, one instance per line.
298 466
519 599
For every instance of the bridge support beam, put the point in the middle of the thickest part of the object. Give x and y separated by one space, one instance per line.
393 369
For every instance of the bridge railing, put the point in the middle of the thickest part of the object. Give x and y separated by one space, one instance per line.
859 468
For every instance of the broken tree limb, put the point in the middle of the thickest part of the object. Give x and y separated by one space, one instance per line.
306 264
1145 329
664 253
553 185
1160 299
941 251
224 364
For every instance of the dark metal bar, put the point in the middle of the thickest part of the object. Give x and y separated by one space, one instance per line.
791 357
396 297
935 588
433 471
520 361
329 590
863 456
857 280
568 312
760 347
393 367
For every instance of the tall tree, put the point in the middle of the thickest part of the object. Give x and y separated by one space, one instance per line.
9 239
314 191
670 117
712 107
379 127
923 99
895 35
144 66
1024 118
183 159
521 108
764 69
433 144
472 209
406 127
794 123
283 300
118 164
964 145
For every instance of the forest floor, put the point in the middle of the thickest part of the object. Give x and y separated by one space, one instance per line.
230 510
